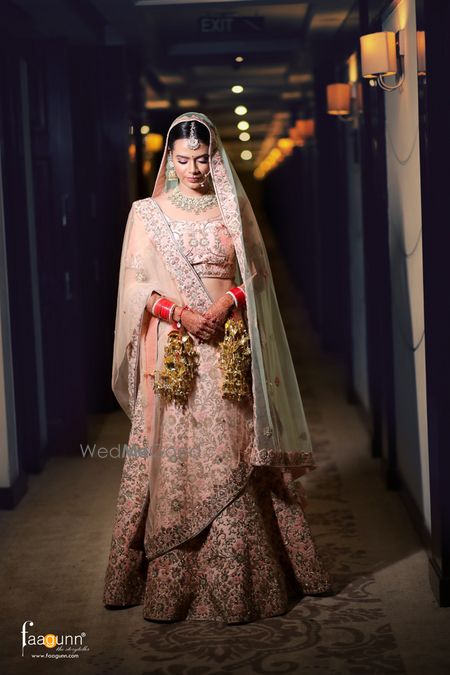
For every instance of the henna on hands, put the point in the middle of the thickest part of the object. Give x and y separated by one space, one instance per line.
219 311
209 324
199 325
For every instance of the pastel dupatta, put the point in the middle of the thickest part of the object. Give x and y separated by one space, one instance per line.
199 460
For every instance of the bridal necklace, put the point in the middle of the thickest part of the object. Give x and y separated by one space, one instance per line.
196 204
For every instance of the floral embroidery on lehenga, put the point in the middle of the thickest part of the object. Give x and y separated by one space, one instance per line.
256 555
204 458
202 530
238 553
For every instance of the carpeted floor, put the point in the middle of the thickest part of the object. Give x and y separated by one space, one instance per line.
383 618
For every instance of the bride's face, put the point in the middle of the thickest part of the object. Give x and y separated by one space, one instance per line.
191 166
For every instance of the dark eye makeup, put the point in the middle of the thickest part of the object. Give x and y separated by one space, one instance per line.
201 161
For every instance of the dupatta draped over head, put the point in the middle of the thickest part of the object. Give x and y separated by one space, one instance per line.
152 261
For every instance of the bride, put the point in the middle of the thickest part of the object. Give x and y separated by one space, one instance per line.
210 521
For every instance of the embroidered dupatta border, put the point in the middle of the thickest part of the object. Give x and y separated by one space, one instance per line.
195 293
193 289
263 454
203 515
179 267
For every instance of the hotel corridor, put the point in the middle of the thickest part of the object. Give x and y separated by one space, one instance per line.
383 618
333 115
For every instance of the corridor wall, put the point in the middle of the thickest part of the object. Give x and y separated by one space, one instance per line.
405 244
357 264
9 462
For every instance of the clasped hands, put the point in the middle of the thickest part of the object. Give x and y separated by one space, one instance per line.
210 324
204 325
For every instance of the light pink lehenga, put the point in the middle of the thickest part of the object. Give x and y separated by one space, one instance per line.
244 552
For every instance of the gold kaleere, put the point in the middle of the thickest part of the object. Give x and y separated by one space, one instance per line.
235 360
174 381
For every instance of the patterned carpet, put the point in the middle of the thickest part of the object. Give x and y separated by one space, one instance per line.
55 577
346 633
55 544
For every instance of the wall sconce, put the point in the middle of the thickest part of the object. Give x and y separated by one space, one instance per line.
286 145
154 142
340 98
305 128
379 57
421 59
302 131
295 136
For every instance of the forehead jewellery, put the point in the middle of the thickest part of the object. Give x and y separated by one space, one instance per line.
193 141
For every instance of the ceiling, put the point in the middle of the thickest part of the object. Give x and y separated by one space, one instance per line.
188 52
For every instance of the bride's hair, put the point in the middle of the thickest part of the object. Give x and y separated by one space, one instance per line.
182 130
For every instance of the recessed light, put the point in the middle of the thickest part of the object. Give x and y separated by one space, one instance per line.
187 102
244 136
237 89
240 110
154 105
243 125
246 154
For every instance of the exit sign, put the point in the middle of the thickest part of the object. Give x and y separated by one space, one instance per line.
231 24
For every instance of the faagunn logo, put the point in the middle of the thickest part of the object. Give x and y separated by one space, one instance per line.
60 643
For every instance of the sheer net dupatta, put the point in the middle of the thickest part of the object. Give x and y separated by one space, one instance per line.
282 436
142 271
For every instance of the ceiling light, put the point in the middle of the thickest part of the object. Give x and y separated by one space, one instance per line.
145 129
288 95
187 103
239 59
244 136
246 154
243 125
299 78
240 110
237 89
170 80
157 104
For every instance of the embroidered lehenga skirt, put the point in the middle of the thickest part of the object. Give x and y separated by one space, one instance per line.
229 546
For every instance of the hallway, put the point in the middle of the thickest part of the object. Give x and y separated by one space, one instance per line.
333 115
383 618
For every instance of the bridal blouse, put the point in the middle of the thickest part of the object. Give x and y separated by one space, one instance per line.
207 245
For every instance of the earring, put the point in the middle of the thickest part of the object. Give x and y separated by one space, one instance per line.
206 180
170 169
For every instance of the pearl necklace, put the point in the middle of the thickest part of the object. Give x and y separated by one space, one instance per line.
195 204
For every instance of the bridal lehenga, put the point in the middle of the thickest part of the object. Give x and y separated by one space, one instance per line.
210 521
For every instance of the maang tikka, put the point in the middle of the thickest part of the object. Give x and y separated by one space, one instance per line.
193 141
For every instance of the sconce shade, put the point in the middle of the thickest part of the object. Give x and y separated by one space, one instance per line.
378 54
286 145
305 127
310 128
421 61
154 142
338 98
295 136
